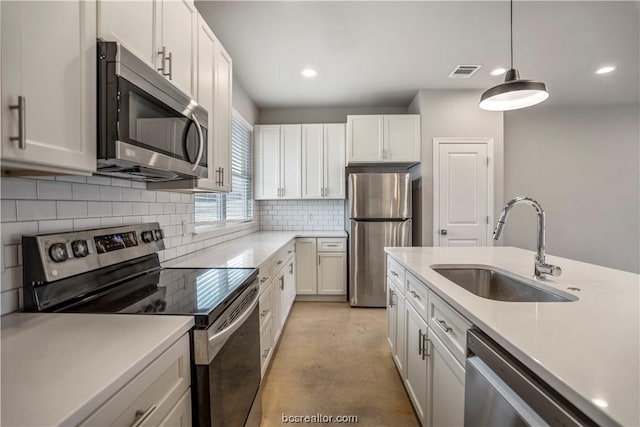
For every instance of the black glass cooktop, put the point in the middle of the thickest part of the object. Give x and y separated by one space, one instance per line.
203 293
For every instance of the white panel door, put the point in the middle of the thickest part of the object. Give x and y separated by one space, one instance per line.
132 24
332 273
364 138
306 266
312 161
177 22
402 138
221 118
267 162
291 163
49 59
463 195
334 161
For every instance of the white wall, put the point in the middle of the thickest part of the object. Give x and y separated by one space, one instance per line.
454 113
275 116
242 102
582 165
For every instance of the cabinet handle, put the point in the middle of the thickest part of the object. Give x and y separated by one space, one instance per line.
414 295
425 346
420 343
141 416
282 283
170 74
393 273
279 262
443 325
291 268
264 279
21 106
264 313
222 177
163 54
391 298
319 259
265 353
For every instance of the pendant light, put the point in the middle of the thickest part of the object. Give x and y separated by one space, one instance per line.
513 93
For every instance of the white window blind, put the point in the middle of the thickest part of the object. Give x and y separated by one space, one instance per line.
236 206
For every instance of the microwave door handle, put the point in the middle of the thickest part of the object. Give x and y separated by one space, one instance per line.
201 142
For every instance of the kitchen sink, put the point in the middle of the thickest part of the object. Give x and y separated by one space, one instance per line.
491 284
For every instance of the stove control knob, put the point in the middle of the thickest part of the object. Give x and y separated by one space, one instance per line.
58 252
80 248
159 235
147 236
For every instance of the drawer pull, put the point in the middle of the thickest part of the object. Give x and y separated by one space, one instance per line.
393 273
415 295
264 279
391 293
265 353
332 246
264 312
280 262
420 343
142 416
443 325
289 252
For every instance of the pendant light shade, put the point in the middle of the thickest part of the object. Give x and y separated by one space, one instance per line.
514 93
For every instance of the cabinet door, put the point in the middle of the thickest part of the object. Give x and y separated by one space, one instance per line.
447 389
132 24
291 163
180 415
49 58
312 161
392 316
364 139
332 273
277 307
206 42
416 369
290 283
176 25
266 345
221 122
307 267
399 355
402 138
334 161
267 162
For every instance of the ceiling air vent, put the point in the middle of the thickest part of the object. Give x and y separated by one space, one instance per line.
464 71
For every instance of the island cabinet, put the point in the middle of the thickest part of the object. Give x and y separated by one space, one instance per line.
48 87
431 360
159 395
321 268
276 276
383 138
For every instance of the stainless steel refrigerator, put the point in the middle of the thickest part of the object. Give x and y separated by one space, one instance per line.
379 211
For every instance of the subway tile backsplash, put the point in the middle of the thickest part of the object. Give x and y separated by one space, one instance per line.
48 205
290 215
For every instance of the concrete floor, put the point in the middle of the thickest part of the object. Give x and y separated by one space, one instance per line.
335 360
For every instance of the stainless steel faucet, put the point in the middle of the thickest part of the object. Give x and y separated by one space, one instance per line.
541 267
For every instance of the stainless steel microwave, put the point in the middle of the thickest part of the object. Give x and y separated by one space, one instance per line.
148 130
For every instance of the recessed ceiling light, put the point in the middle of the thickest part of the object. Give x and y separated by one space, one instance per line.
605 70
498 71
308 72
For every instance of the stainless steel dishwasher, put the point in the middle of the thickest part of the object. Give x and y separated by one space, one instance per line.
500 391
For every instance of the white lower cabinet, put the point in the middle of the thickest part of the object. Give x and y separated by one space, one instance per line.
417 365
266 345
427 341
156 396
321 267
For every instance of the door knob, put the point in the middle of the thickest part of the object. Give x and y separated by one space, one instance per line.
443 232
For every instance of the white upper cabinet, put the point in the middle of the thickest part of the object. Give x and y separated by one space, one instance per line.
220 120
323 161
383 138
334 161
176 21
132 24
278 162
48 87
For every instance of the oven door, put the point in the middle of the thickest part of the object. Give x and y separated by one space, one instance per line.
227 384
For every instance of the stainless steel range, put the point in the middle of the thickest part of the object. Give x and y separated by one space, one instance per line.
117 270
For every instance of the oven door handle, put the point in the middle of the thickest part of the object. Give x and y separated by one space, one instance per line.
200 140
217 341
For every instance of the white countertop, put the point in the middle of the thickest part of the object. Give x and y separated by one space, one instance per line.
57 369
588 350
245 252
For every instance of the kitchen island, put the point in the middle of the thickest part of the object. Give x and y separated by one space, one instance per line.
588 350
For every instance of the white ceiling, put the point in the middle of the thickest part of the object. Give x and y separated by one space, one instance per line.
382 52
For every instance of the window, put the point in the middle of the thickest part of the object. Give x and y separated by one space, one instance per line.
236 206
